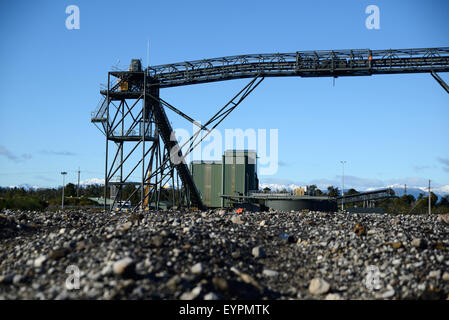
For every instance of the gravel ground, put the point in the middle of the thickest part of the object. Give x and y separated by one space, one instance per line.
222 255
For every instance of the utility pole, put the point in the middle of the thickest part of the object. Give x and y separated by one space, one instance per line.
405 189
430 197
63 185
343 186
78 187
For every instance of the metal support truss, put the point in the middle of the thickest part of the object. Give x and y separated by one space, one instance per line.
149 130
440 81
129 123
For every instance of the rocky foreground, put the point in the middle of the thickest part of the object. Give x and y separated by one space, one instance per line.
222 255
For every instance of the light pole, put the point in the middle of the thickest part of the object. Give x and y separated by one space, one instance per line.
63 185
343 186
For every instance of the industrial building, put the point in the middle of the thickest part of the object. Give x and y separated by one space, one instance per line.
233 182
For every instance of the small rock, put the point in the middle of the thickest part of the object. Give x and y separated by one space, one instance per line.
124 267
359 229
173 282
236 254
107 269
7 279
250 280
435 274
58 253
157 241
197 268
443 218
80 245
211 296
258 252
17 279
191 295
287 238
236 220
388 294
397 245
186 230
220 284
126 226
333 296
270 273
418 243
318 286
445 276
38 262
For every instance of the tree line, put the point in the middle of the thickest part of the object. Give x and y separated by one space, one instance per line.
43 198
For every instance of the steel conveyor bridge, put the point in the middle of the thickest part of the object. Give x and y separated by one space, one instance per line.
326 63
130 84
367 196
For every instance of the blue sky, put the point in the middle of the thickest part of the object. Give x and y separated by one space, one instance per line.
391 129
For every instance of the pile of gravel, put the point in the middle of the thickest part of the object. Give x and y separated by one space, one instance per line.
218 254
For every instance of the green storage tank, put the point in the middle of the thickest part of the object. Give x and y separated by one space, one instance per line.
240 173
238 176
207 177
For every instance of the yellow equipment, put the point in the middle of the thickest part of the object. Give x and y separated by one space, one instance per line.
299 191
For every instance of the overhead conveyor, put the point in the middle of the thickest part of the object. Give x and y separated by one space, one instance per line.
143 126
